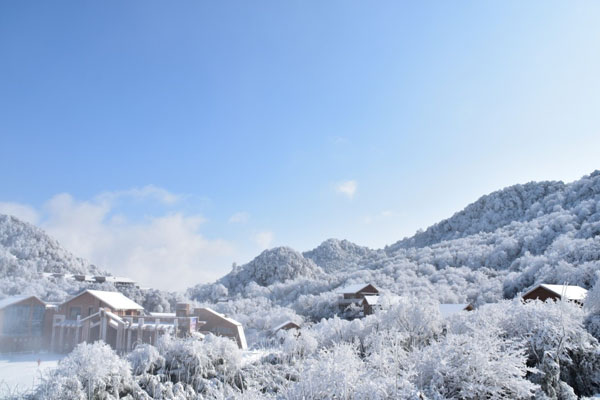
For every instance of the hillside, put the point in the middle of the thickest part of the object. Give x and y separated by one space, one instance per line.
27 250
499 245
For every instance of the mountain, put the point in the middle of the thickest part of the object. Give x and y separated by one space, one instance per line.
275 265
334 255
26 250
518 203
499 245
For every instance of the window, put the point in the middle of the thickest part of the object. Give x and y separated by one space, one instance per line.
90 311
37 320
74 312
16 320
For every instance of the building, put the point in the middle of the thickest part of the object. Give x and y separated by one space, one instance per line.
115 319
29 324
89 302
362 295
544 292
22 321
370 304
286 326
220 325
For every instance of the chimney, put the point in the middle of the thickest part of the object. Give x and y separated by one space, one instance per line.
182 310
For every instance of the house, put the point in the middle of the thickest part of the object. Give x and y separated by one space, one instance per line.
447 310
22 320
363 295
118 281
286 326
89 302
220 325
90 316
115 319
370 303
544 292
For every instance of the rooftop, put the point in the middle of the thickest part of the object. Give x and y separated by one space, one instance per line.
568 292
354 288
8 301
115 300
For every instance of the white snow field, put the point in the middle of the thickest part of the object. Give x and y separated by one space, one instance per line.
20 372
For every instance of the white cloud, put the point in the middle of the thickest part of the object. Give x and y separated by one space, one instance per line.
239 218
165 251
264 239
347 188
21 211
145 192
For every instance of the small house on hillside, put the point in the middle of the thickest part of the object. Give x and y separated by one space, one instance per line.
286 326
363 295
22 320
544 292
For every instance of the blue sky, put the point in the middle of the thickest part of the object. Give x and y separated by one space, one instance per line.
195 134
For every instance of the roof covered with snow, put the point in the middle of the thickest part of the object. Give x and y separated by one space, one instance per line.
278 327
372 300
568 292
447 310
9 301
210 310
115 300
351 289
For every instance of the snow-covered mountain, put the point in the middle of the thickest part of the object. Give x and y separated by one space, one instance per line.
27 250
275 265
335 255
497 246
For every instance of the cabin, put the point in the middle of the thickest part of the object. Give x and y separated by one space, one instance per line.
544 292
286 326
370 304
220 325
362 295
22 320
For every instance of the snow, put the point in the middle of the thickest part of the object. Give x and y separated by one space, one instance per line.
372 300
233 321
569 292
278 327
12 300
252 356
115 300
351 289
20 372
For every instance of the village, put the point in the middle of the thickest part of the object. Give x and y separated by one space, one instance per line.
29 324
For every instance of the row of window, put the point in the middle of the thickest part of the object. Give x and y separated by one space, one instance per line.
22 320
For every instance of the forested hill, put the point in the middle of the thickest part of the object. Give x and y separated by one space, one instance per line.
516 203
501 244
25 250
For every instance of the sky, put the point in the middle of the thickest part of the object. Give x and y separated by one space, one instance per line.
166 140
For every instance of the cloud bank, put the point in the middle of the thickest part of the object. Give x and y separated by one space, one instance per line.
166 251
